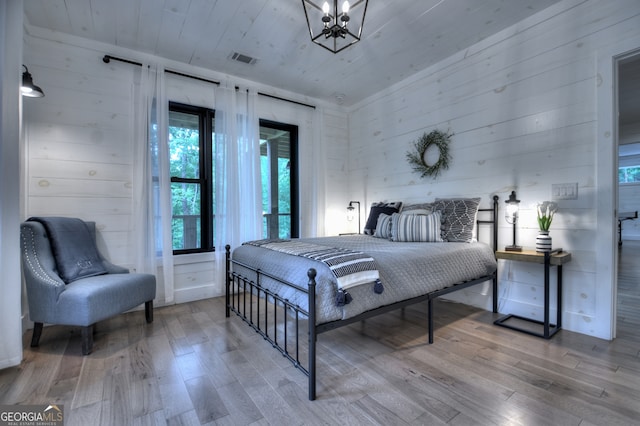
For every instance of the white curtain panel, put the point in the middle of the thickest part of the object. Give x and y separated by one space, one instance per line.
318 201
152 181
237 197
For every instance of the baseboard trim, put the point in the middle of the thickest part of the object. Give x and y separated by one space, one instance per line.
192 294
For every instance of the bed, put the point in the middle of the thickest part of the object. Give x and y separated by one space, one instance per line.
284 295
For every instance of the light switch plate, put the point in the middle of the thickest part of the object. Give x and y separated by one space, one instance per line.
564 191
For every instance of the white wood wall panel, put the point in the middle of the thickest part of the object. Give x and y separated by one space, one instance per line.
335 139
522 105
79 156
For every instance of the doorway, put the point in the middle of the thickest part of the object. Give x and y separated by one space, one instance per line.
279 159
628 185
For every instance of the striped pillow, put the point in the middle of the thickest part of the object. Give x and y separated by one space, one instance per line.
383 228
458 218
416 227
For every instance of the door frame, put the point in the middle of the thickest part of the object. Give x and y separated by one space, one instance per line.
606 247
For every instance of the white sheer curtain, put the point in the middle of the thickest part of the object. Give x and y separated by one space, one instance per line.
318 200
152 183
238 205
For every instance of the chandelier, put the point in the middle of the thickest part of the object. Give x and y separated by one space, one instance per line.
332 28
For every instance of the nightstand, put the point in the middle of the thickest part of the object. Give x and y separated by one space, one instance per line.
556 258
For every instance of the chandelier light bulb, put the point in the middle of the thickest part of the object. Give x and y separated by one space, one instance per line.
325 8
345 7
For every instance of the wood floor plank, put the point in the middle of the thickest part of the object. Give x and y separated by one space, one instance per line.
144 397
88 414
157 418
175 398
206 399
239 404
116 408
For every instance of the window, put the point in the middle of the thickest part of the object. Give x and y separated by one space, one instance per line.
191 136
629 174
190 157
629 163
279 164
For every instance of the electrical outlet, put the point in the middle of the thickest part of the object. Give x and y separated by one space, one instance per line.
564 191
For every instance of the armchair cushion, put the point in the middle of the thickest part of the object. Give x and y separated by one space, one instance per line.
73 246
92 299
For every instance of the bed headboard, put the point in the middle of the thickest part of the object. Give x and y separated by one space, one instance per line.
493 213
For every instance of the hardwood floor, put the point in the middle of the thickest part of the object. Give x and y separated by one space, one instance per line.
193 366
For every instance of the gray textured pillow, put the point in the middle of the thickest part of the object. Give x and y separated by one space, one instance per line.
420 208
458 218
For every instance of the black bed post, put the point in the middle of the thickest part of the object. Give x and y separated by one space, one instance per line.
495 247
312 333
495 222
430 317
227 281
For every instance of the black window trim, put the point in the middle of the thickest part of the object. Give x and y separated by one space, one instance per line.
294 184
205 118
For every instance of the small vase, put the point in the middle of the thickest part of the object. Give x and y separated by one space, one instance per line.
543 242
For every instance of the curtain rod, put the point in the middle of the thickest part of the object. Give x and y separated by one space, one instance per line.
107 58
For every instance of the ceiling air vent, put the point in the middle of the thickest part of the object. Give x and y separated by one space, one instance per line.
243 58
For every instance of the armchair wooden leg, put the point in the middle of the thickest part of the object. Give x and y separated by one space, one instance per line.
37 332
87 339
148 311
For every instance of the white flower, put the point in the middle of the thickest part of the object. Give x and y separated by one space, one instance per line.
546 210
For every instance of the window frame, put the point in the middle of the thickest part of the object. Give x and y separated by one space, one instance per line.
206 118
294 172
628 182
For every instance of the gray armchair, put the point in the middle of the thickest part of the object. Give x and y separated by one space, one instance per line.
54 299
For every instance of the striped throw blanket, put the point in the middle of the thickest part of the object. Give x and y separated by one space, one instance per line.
350 268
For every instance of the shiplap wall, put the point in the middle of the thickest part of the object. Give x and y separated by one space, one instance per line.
79 148
522 105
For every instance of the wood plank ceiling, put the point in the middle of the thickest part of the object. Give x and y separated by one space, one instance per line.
400 37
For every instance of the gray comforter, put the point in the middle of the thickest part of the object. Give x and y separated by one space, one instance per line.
406 270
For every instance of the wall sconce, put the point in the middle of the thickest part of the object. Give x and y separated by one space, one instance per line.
28 88
350 212
511 215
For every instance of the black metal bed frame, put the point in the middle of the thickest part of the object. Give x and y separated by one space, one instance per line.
243 293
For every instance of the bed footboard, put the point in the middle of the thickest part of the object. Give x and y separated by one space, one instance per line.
282 323
275 318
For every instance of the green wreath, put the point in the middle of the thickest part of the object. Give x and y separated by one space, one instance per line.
416 158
